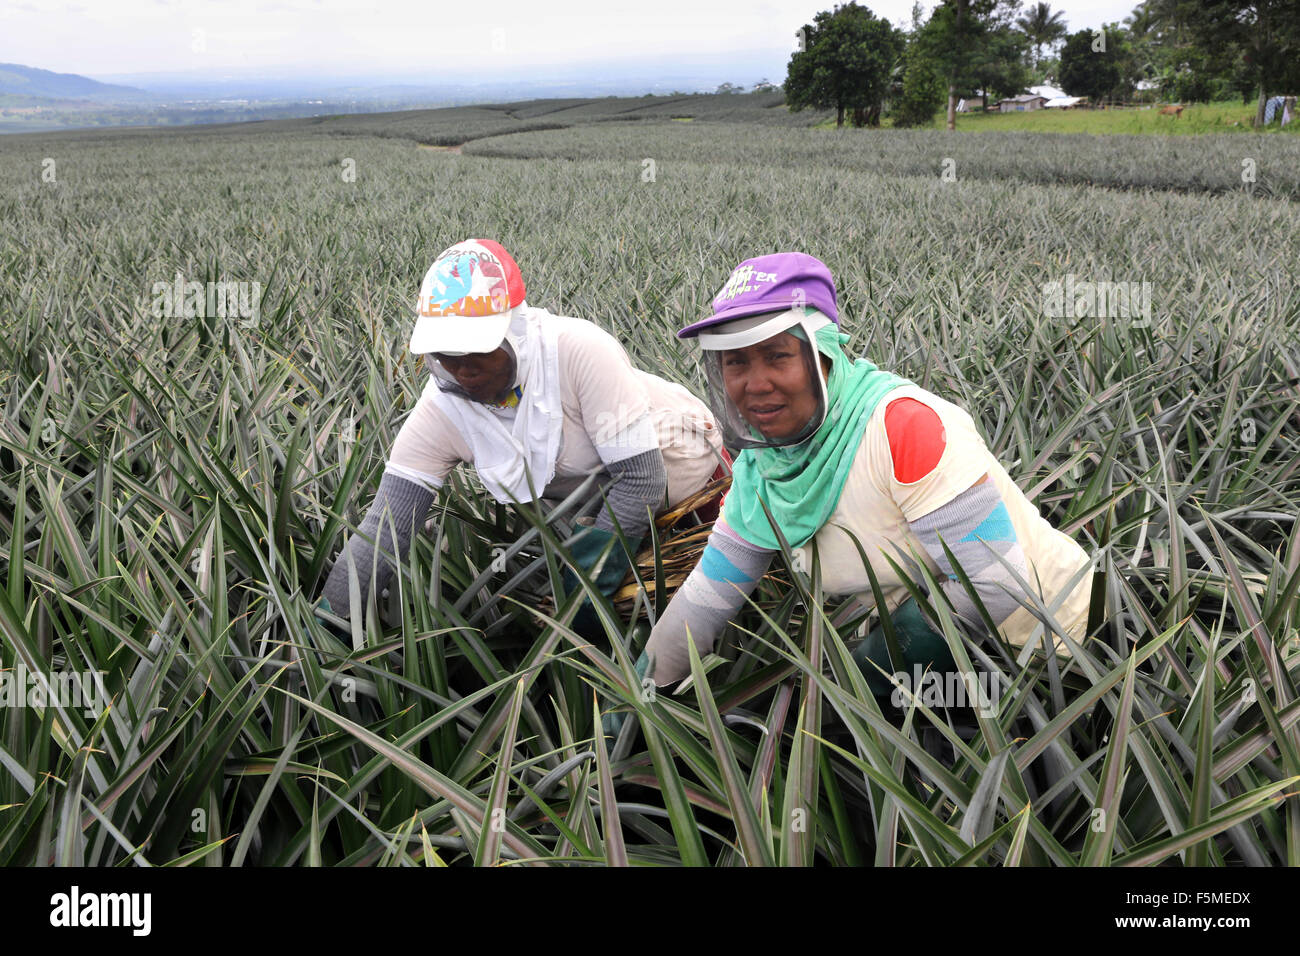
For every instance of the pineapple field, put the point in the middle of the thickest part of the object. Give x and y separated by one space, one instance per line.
178 472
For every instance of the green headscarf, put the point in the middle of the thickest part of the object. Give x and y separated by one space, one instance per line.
802 484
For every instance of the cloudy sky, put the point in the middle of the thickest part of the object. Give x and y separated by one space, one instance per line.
411 37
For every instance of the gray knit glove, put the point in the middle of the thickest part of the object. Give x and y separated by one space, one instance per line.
408 504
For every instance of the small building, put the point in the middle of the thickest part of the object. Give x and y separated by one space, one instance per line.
1063 102
1022 103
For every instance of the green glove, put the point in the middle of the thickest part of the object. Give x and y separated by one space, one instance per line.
919 643
612 722
586 552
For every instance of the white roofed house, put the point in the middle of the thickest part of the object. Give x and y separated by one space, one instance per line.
1022 103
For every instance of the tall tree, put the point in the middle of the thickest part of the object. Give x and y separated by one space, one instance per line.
1266 35
998 67
1091 65
1043 26
919 87
958 36
846 62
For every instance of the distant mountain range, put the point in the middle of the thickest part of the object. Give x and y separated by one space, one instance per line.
34 100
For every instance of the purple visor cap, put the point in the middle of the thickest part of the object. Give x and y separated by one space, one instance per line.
775 283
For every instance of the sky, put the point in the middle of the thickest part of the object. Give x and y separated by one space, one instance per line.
411 38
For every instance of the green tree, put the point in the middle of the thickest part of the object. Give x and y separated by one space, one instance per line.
1090 63
1165 48
1043 26
957 37
923 90
845 64
1128 57
998 67
1263 37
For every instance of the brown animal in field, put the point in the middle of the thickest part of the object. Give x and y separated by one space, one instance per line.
1174 111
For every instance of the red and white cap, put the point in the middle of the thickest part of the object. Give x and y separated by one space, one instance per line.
467 299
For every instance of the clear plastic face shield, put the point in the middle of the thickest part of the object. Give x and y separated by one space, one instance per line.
480 371
764 373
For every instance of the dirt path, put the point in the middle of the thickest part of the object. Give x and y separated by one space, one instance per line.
440 149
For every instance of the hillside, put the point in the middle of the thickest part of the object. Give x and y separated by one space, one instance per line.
30 81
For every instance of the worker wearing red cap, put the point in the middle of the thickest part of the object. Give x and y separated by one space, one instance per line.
535 402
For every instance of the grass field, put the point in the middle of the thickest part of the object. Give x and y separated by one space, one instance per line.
1197 119
175 489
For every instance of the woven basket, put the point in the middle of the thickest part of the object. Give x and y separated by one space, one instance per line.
681 542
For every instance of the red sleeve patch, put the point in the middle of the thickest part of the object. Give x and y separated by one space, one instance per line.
916 439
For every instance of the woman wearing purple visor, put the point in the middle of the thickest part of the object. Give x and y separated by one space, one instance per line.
841 450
